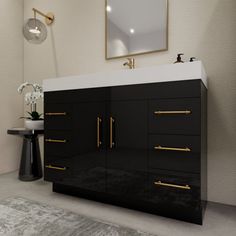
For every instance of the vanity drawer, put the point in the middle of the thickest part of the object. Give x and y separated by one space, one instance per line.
58 116
174 189
175 116
77 95
49 159
164 90
58 143
175 152
57 170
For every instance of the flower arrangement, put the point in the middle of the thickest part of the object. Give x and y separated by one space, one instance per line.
31 99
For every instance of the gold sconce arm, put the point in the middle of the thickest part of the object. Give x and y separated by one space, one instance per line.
49 17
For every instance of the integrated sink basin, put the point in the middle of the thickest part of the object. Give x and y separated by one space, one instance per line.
161 73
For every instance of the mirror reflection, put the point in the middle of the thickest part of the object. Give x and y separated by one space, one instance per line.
135 27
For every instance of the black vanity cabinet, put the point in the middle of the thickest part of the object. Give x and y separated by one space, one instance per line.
139 146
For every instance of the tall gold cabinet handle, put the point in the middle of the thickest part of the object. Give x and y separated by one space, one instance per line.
172 112
99 121
55 167
172 149
55 140
186 187
111 132
55 114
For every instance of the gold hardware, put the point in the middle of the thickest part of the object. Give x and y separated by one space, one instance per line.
111 132
99 120
172 149
49 17
130 63
55 140
172 112
55 167
186 187
55 114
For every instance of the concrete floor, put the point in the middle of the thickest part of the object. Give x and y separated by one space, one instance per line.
220 220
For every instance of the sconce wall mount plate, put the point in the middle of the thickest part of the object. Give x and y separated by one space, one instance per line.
50 18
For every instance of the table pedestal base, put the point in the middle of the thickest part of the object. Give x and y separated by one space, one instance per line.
30 166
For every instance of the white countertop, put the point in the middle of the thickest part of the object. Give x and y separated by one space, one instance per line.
161 73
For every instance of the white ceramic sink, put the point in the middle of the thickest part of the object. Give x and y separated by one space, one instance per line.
162 73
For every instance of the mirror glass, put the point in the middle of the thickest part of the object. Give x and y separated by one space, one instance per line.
136 27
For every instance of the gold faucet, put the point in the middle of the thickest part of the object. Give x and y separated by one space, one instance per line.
130 63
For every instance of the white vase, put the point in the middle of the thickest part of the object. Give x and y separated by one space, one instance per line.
34 124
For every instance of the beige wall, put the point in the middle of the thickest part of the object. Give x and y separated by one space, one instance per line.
202 28
11 76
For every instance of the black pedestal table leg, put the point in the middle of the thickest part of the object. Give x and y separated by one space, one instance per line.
30 166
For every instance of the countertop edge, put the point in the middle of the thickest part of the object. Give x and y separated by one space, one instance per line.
157 74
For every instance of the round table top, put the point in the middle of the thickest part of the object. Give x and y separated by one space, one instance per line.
24 131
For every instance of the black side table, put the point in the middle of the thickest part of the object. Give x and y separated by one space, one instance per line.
30 165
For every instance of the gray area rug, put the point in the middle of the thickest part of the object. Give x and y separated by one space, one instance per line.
19 216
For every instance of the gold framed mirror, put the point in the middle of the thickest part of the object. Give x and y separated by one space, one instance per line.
135 27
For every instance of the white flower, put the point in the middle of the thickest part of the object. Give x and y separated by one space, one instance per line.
22 86
37 88
31 97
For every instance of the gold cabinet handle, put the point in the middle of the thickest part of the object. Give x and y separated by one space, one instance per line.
159 183
55 167
55 113
172 149
111 132
99 121
187 112
55 140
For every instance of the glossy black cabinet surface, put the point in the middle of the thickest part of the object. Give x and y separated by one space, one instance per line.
89 160
162 122
186 159
138 146
127 151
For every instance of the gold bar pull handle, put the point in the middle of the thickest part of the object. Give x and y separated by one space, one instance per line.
55 113
55 167
159 183
99 121
55 140
186 112
172 149
111 133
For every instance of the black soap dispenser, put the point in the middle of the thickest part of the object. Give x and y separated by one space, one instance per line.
179 59
192 59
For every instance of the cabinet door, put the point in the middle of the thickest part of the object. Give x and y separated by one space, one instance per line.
89 160
127 149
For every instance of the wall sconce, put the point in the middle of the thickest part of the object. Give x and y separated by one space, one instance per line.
34 30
